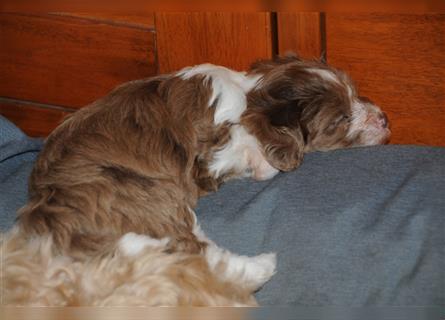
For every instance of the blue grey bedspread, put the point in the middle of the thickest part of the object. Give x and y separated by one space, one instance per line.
17 156
353 227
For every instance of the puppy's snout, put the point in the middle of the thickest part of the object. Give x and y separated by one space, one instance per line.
383 120
378 119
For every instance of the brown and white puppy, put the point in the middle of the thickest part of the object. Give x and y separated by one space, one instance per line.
138 159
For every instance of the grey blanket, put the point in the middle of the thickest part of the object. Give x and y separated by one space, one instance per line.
351 228
17 156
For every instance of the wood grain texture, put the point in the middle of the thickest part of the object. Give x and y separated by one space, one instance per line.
300 32
35 121
399 62
143 20
69 61
234 40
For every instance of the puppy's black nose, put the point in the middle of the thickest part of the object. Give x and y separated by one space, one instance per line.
383 119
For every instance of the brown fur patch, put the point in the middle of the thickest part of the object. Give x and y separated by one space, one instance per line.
132 161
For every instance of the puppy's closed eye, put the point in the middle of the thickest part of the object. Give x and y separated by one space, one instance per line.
345 118
341 121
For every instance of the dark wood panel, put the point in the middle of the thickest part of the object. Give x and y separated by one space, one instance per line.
231 39
300 32
397 60
69 61
35 121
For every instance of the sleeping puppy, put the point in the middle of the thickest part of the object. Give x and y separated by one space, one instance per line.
138 159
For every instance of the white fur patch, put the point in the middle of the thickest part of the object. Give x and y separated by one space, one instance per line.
361 122
241 154
358 117
132 244
324 74
350 92
250 271
328 75
228 86
261 169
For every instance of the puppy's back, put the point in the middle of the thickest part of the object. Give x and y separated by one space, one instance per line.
124 163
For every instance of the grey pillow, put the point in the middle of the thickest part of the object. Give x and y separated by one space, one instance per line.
351 228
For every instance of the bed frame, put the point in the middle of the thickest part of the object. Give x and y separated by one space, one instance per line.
53 64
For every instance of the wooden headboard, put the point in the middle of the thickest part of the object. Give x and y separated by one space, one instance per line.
53 64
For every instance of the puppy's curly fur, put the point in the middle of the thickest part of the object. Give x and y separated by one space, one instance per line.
119 276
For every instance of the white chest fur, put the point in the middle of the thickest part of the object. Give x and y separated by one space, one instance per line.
242 154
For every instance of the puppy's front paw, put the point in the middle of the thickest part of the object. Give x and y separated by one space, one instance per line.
261 268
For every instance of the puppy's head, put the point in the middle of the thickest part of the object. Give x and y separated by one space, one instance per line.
300 106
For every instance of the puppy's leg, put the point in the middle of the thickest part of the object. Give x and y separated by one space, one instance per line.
251 272
186 242
179 228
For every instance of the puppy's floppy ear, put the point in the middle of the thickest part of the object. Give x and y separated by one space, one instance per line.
273 117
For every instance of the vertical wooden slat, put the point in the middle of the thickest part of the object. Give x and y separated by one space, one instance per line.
301 32
234 40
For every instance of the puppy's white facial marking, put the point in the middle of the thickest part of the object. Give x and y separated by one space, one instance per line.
132 244
228 87
362 123
358 117
350 92
324 74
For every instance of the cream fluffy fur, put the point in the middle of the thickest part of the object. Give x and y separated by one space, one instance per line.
135 271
